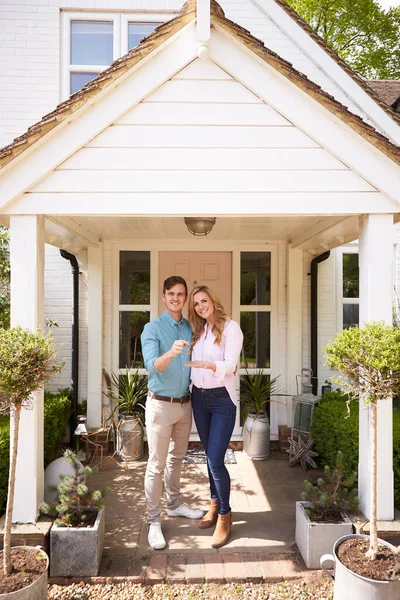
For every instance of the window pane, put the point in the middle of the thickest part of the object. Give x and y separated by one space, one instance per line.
91 43
256 327
134 278
350 315
78 80
350 276
137 31
131 325
255 278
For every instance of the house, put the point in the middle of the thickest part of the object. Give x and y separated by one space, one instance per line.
234 113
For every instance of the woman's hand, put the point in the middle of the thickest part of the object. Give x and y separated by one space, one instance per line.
200 364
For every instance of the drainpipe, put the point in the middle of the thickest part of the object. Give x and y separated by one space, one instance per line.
75 342
314 318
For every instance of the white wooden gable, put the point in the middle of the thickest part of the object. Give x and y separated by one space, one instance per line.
228 135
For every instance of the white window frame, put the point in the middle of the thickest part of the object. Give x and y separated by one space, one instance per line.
120 39
235 248
353 249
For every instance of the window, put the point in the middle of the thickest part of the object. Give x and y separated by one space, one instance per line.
255 312
92 41
134 306
348 288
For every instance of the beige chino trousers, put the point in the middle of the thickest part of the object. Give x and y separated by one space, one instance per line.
168 426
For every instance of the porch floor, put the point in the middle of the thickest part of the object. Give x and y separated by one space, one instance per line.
261 547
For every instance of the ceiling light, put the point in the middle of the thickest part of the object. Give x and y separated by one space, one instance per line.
200 225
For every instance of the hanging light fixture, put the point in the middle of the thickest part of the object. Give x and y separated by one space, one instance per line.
200 225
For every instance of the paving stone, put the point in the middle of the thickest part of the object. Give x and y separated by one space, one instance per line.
176 569
195 569
157 569
252 569
213 568
232 567
272 569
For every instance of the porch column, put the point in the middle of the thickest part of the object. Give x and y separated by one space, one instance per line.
376 304
294 322
27 310
95 335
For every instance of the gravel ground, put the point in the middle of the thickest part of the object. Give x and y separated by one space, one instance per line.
319 588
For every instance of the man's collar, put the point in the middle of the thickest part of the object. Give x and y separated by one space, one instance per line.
170 319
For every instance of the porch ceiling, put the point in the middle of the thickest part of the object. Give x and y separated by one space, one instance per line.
313 233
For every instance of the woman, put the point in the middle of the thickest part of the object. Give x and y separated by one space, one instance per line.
216 345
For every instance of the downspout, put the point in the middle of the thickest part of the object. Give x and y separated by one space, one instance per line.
314 318
75 341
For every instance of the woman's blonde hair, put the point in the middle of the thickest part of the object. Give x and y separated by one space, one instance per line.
197 323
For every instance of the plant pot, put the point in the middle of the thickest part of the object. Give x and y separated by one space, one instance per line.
315 538
256 436
77 551
131 438
350 586
36 590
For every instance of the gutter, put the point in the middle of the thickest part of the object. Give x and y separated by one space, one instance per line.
314 318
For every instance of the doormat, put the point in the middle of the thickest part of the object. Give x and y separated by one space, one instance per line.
197 456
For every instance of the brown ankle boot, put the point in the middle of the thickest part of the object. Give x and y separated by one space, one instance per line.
222 530
211 515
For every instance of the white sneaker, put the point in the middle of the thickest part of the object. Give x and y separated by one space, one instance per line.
185 511
155 537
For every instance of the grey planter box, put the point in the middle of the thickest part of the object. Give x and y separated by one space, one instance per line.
77 551
315 539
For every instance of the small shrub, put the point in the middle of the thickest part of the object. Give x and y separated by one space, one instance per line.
57 410
332 430
396 457
4 460
332 495
76 501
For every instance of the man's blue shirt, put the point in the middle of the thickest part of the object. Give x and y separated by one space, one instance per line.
157 338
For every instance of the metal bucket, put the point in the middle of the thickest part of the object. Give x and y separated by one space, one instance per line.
131 438
350 586
256 437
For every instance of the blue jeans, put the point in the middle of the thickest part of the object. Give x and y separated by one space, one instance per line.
214 415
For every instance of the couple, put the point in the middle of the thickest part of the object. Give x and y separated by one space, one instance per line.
210 347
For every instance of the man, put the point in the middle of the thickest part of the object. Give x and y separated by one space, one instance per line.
165 344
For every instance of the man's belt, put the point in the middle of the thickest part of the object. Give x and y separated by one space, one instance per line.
169 398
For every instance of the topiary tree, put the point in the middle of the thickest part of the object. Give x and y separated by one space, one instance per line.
27 361
368 362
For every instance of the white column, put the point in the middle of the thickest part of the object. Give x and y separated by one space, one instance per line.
27 310
95 335
294 322
376 304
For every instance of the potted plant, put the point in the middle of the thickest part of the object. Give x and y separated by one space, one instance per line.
255 392
368 362
27 361
129 391
321 514
77 534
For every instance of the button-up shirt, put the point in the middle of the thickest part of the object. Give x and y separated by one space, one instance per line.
225 357
157 338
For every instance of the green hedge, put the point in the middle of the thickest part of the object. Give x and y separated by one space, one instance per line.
57 408
332 430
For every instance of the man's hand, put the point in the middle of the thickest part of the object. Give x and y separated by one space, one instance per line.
177 347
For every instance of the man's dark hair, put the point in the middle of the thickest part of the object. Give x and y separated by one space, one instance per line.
174 280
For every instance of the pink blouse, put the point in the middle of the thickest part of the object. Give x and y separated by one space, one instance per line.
225 357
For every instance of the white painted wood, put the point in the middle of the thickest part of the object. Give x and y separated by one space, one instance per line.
214 136
296 105
27 310
189 203
95 336
196 113
329 65
180 90
182 159
203 181
337 228
200 69
294 331
84 124
76 229
376 297
203 20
